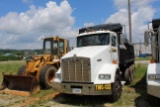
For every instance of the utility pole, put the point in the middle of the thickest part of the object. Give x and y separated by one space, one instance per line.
140 50
129 21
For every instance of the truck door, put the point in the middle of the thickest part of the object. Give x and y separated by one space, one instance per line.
114 49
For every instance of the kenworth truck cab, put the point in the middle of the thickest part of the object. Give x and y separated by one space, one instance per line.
153 71
96 65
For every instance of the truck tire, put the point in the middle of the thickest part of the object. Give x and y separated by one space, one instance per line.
128 75
153 100
132 70
21 70
46 77
116 89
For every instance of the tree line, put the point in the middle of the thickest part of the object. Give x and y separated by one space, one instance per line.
11 54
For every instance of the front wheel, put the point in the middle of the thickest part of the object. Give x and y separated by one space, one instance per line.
47 75
116 89
153 100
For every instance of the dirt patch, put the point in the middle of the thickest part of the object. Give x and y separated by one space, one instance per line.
50 96
8 100
28 101
15 92
36 89
33 100
129 98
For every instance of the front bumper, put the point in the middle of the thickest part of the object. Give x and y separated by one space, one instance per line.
83 89
153 90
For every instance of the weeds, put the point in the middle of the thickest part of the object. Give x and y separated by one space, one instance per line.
132 96
8 67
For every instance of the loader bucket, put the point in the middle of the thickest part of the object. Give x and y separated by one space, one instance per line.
20 83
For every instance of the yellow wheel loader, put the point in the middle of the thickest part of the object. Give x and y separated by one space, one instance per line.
39 71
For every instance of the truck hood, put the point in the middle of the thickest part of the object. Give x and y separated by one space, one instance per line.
88 52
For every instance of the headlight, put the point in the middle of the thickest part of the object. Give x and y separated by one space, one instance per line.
104 76
58 76
154 76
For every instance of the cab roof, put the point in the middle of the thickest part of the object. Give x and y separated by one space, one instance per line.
111 27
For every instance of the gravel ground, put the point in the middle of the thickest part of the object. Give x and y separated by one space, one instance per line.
130 98
9 100
18 101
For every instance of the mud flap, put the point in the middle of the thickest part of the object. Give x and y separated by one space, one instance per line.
20 83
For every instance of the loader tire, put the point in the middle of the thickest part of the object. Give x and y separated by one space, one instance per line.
2 87
21 70
46 77
116 89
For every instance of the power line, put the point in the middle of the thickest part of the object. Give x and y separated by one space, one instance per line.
136 1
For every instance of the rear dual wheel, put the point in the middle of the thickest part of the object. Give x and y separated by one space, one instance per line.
129 74
47 75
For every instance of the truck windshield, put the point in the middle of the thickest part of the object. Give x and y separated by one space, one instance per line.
93 40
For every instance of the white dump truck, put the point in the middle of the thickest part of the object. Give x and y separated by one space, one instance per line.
103 57
153 71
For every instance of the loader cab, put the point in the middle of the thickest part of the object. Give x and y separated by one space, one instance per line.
55 46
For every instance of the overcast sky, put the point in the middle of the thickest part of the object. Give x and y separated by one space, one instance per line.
24 22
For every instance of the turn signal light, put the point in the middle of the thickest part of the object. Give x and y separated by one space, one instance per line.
114 62
152 61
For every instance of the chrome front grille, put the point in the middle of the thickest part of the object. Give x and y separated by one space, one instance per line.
76 69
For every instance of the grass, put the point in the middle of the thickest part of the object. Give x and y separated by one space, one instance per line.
133 95
43 93
140 59
140 71
10 67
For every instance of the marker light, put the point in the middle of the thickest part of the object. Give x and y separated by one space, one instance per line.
152 61
114 62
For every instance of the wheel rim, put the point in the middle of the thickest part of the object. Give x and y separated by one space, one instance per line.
51 76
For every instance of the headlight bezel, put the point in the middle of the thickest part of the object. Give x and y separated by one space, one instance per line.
104 76
153 76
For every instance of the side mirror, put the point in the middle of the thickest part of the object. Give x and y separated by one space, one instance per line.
122 39
146 38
